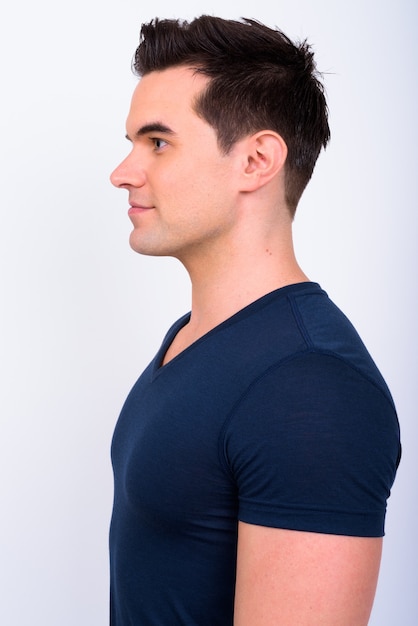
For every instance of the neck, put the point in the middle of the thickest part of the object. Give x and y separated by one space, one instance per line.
235 270
225 282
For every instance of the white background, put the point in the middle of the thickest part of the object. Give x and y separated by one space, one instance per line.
81 314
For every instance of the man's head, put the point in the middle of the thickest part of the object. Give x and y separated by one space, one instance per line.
258 79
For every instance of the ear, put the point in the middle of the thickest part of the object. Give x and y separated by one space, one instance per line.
264 155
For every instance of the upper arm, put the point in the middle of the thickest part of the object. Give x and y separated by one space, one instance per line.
296 578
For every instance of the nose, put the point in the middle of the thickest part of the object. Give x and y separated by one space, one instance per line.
128 174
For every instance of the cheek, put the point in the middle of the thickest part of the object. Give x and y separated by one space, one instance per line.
195 192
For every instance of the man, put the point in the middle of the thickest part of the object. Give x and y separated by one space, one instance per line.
254 456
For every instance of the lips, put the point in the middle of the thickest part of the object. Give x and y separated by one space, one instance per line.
134 209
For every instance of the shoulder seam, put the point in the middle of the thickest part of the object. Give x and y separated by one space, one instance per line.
299 321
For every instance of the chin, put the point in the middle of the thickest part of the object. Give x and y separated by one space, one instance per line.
162 244
147 248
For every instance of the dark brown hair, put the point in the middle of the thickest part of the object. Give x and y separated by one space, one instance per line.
259 80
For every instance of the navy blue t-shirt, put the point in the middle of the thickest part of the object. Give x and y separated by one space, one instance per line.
277 417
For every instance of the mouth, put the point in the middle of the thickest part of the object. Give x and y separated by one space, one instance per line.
134 209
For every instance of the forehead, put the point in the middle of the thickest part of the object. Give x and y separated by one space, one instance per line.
166 95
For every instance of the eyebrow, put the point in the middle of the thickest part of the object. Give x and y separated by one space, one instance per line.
153 127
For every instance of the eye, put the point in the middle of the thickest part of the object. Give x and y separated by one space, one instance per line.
159 143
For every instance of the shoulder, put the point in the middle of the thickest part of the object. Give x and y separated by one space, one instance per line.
314 445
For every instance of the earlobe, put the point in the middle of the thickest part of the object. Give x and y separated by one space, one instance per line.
266 153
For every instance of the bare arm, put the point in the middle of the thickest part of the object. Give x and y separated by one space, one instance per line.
294 578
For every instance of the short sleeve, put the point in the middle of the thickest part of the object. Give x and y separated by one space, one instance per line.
313 445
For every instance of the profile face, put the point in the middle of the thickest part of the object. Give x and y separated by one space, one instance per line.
182 191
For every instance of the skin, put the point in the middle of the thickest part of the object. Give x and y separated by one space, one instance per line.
225 218
293 578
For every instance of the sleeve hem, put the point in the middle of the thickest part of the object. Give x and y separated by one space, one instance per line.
327 522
